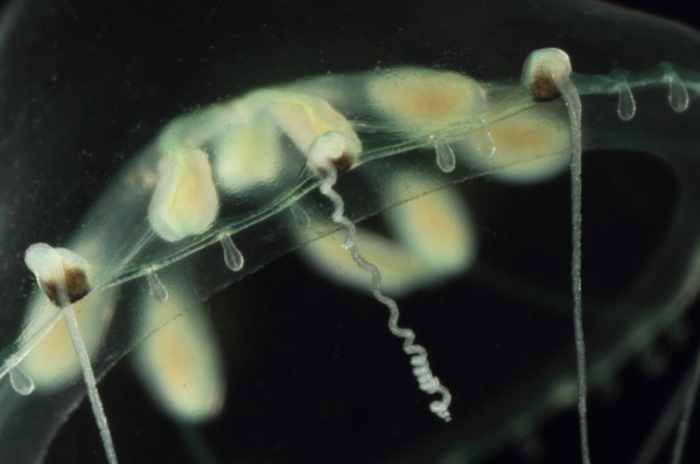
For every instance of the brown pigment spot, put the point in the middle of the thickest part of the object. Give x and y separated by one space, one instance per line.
344 163
543 88
77 286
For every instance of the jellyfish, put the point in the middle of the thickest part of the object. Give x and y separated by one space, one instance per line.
160 157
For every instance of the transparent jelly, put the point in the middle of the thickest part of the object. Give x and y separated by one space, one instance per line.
159 162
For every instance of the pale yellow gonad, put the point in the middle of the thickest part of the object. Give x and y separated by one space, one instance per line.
53 363
430 239
427 104
179 361
247 155
185 201
531 146
425 100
